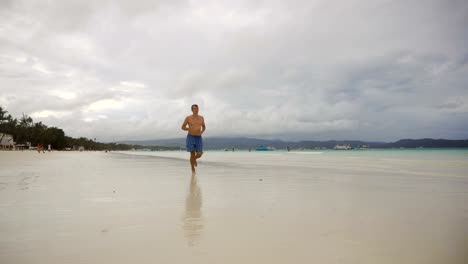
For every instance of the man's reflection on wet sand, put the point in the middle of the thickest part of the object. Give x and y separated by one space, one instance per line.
193 222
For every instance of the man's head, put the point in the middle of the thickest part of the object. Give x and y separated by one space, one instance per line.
195 108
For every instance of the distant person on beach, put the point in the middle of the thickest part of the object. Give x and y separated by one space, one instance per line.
40 148
195 125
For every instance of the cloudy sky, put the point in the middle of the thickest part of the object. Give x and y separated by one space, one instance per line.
294 70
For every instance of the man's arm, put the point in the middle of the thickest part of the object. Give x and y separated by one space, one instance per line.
184 125
203 125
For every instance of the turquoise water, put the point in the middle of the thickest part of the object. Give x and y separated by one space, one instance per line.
367 150
460 155
451 151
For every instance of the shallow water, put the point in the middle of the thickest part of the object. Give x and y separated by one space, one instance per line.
241 207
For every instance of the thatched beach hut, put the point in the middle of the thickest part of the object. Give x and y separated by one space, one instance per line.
6 141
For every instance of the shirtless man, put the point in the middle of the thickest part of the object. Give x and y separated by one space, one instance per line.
195 125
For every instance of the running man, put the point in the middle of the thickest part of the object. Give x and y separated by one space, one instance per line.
195 125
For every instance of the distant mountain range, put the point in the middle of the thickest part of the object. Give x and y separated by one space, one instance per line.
246 143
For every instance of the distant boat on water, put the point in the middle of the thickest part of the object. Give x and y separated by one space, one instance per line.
262 148
343 147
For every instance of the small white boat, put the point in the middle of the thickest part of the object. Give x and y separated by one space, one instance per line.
343 147
262 148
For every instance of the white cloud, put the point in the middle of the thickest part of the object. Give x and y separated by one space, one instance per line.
94 118
3 101
133 84
105 104
296 70
66 95
41 68
47 113
21 60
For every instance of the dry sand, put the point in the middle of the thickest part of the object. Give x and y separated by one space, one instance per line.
95 207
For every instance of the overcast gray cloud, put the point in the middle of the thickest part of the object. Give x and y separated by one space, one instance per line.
114 70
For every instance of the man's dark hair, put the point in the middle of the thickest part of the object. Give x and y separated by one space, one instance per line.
194 105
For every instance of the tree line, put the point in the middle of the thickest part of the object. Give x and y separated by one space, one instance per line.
25 130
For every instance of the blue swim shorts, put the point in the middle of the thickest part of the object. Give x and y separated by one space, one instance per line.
194 143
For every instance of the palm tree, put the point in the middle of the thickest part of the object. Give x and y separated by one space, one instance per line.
5 118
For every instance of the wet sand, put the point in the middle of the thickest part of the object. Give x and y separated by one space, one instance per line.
95 207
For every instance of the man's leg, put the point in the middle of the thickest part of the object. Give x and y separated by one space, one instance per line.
192 160
197 156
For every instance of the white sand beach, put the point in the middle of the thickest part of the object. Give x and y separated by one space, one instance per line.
241 207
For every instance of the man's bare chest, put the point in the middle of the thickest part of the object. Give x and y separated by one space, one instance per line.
195 121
